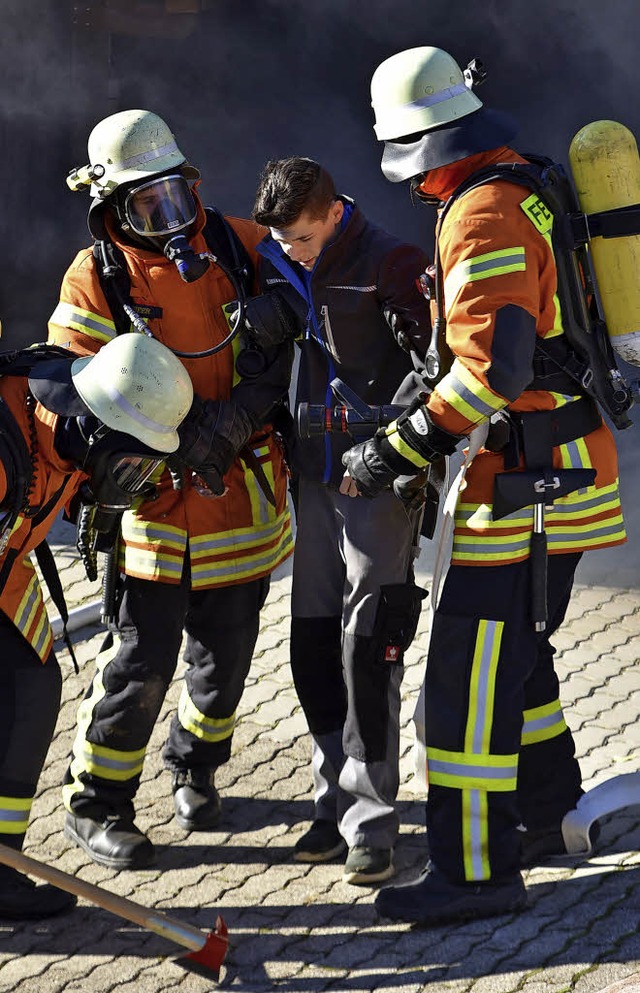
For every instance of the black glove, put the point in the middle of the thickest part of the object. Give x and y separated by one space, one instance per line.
365 465
211 435
270 320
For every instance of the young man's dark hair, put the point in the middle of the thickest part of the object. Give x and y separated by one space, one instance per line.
290 186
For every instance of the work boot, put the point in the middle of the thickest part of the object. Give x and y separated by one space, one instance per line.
22 900
368 865
114 841
432 899
321 843
541 845
196 799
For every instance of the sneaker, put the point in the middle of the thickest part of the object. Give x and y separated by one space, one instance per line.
196 800
22 900
432 899
540 845
114 841
321 843
368 865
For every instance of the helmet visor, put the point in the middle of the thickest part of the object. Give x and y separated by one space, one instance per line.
162 206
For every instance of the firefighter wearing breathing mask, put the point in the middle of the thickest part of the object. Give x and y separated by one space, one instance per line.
70 423
500 758
198 557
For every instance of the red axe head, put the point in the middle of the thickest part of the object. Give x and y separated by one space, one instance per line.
210 957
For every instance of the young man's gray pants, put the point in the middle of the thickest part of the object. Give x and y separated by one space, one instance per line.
354 601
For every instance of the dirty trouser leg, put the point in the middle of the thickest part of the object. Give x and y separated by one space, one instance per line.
316 633
122 704
29 704
222 628
483 651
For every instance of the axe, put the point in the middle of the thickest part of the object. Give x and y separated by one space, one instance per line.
207 949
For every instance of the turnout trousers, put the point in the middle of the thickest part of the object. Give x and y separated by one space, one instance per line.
29 704
499 753
133 674
355 609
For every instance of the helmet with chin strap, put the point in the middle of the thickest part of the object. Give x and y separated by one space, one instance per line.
427 114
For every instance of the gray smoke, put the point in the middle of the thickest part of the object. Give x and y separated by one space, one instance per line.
265 79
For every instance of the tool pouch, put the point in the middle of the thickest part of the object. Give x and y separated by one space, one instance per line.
396 621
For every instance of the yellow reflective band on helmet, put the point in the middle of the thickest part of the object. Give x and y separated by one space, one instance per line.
538 213
94 325
466 394
542 723
202 727
498 263
14 814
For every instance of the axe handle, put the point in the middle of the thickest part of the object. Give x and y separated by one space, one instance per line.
151 920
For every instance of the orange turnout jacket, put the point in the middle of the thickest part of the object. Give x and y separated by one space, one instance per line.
495 250
54 482
231 539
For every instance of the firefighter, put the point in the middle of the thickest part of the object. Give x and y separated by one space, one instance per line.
53 439
355 605
499 754
198 557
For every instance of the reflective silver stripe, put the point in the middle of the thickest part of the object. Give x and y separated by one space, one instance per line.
475 831
471 771
358 289
493 632
132 411
434 98
238 566
256 536
454 384
585 533
539 723
149 156
97 761
500 543
66 315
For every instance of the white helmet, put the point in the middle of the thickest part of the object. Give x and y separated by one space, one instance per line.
134 384
427 114
130 145
417 90
137 385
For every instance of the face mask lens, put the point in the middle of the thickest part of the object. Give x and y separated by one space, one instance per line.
160 207
131 472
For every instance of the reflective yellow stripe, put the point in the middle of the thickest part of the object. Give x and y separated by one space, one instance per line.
95 325
31 617
402 448
464 770
203 727
477 740
14 814
498 263
466 394
96 760
543 723
542 219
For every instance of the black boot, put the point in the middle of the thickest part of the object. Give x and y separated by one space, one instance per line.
22 900
432 899
114 841
197 801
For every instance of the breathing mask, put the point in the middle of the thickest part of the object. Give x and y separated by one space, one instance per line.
160 212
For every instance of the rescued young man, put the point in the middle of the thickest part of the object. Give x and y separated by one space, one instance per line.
355 606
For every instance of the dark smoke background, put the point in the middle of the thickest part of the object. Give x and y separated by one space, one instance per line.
240 82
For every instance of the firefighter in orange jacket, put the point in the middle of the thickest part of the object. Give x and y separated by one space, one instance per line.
192 557
53 412
499 753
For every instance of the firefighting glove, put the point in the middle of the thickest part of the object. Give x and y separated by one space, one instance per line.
376 463
270 320
211 435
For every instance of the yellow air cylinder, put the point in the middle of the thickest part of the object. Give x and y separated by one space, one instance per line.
606 172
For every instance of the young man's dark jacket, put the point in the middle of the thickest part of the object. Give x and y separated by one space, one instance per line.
341 305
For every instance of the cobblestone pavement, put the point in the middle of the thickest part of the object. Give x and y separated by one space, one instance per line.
299 928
